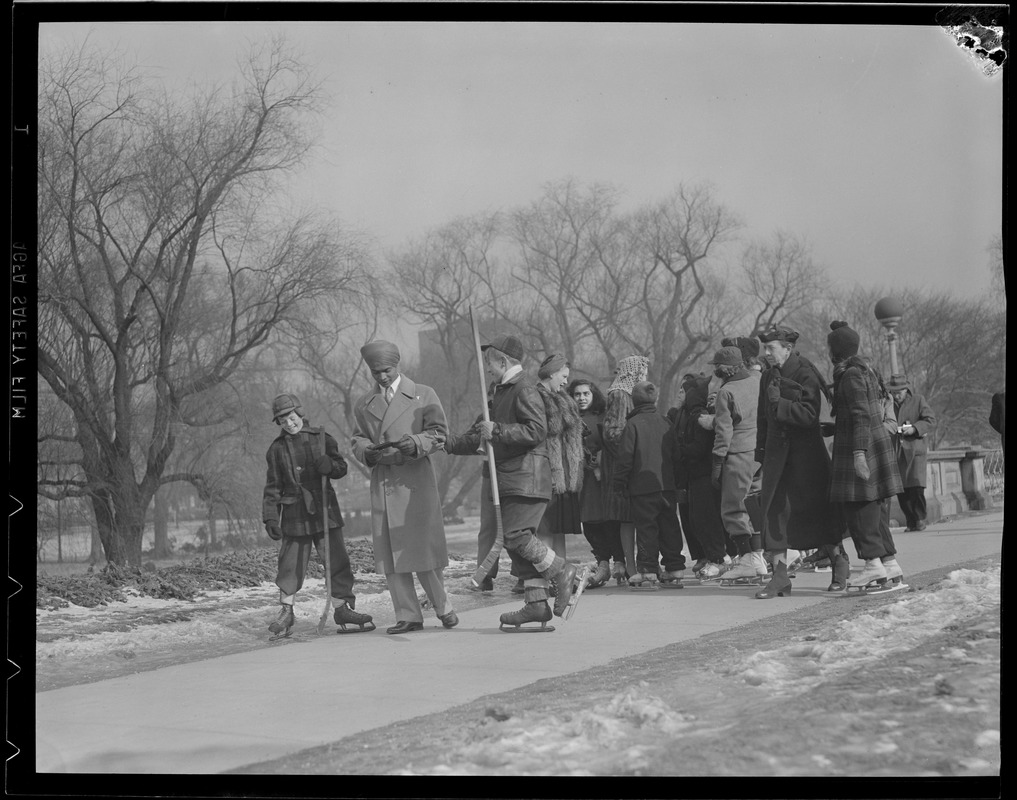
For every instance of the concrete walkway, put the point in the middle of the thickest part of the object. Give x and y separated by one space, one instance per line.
215 715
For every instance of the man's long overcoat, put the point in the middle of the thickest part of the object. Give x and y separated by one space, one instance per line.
406 514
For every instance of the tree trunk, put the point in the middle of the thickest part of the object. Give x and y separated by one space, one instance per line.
161 521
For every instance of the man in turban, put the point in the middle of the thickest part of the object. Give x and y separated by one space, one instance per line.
398 427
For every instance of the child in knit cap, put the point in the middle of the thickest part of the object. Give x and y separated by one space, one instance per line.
645 474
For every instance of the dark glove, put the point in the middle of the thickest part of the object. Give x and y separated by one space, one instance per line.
324 465
861 465
407 446
773 391
715 472
759 455
372 457
827 429
273 530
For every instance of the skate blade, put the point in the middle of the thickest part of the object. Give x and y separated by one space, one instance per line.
341 630
673 585
886 589
574 600
743 582
529 628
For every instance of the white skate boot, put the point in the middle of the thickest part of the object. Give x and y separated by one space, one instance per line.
894 575
871 580
750 570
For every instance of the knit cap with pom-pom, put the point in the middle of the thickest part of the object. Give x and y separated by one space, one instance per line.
843 340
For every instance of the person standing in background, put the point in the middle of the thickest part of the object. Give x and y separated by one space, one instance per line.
915 421
997 415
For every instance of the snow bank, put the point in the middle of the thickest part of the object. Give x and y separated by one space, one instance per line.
893 627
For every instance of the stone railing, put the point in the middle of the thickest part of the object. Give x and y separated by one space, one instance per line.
957 481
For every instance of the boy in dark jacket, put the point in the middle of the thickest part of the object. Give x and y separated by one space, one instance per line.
292 513
645 473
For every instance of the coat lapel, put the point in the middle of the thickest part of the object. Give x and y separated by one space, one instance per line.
403 400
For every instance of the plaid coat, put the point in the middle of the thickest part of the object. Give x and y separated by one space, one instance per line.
292 495
858 416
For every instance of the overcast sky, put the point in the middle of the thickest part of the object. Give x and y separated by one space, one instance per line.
881 144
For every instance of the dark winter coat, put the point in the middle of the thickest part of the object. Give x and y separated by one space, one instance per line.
520 434
616 504
292 495
912 454
793 452
645 454
592 495
693 446
858 419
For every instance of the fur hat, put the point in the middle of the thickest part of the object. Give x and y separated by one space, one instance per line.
747 344
644 393
728 356
843 341
284 404
779 333
380 354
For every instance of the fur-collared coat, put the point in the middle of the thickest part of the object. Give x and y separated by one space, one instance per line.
859 412
564 441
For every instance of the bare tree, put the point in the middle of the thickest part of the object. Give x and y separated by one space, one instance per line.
779 278
163 265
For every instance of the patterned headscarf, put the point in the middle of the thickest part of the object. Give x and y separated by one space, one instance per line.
631 370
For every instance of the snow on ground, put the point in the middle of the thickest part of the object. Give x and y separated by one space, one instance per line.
623 735
890 628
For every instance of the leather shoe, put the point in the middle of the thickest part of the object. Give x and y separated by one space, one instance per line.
486 585
405 627
449 620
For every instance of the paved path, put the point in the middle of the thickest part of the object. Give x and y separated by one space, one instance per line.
222 713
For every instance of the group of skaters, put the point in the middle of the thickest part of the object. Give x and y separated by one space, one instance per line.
739 470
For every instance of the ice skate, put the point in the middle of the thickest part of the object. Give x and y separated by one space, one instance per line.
280 628
564 585
871 580
795 565
818 561
517 621
599 576
672 579
582 581
644 582
710 573
894 575
344 615
620 574
750 570
698 566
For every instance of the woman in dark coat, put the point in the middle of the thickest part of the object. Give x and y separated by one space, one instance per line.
630 371
564 453
796 464
864 471
601 533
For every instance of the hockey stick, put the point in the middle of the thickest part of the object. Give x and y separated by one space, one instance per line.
499 541
328 560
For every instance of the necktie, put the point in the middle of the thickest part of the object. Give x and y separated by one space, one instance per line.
389 394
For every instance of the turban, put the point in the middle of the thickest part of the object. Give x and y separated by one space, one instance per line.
842 340
631 370
551 365
380 354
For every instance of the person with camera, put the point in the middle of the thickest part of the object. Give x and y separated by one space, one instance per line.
915 421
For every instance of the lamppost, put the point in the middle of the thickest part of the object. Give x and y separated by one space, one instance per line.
889 311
